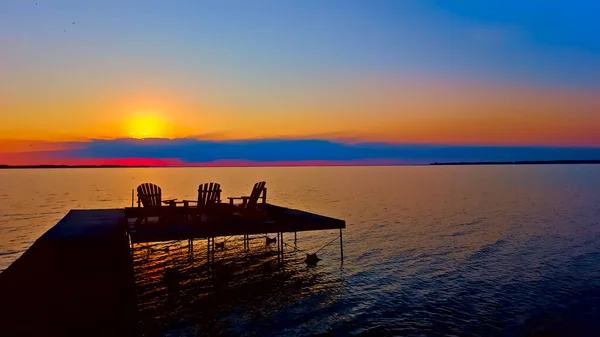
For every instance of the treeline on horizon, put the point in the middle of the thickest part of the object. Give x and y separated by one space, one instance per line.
522 162
65 166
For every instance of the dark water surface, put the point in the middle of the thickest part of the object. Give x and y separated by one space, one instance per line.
482 250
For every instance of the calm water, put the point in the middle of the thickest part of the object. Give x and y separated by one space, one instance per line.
488 250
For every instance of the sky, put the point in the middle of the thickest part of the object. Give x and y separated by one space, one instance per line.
476 80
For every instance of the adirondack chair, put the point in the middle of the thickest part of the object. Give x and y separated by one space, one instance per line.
250 208
150 197
209 194
258 192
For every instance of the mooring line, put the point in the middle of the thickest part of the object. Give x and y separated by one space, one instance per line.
296 248
304 251
332 241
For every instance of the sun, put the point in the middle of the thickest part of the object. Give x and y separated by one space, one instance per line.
146 127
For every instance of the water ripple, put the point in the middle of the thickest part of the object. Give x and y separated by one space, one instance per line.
436 251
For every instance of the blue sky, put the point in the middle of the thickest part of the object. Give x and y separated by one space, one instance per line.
503 73
537 41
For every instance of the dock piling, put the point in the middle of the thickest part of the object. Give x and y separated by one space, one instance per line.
208 252
213 250
341 247
278 247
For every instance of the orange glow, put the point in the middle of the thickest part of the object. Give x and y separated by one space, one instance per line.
375 109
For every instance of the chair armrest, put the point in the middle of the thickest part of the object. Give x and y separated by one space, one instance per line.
169 201
231 199
181 202
186 202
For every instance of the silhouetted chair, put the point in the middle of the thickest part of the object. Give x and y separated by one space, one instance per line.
150 196
259 191
250 207
209 195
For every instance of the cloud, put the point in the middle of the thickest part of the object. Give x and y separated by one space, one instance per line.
284 152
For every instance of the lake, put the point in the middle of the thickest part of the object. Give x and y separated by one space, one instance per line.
444 250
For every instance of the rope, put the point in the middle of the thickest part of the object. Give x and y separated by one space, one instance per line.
296 248
332 241
304 251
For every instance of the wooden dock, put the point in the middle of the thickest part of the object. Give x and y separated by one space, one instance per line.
279 220
77 278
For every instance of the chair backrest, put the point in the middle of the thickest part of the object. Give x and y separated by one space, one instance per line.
149 195
258 189
209 194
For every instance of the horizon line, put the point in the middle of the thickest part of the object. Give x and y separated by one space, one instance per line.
462 163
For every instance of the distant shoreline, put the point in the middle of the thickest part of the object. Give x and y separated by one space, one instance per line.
64 166
523 162
191 166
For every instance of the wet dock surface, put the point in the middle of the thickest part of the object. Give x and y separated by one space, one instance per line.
75 280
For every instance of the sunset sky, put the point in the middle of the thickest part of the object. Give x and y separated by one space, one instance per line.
457 75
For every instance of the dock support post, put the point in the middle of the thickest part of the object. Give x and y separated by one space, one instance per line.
295 240
208 252
278 248
282 248
341 247
213 250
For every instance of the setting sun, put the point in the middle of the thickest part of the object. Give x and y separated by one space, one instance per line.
146 127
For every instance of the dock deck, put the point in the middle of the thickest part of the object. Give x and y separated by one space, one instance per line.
278 220
77 278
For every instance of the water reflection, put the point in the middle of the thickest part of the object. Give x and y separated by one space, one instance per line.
241 291
480 251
